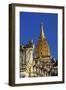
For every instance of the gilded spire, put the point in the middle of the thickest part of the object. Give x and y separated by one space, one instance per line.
42 45
42 36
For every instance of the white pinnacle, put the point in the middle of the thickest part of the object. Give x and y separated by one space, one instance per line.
42 31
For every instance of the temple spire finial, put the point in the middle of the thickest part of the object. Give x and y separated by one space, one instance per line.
42 31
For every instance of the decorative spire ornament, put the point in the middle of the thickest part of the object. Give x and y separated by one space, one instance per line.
42 35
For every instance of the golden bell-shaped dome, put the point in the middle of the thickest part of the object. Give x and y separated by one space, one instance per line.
42 48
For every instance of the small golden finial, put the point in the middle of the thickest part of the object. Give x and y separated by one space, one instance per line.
42 31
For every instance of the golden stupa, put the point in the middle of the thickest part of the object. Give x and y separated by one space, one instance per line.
42 49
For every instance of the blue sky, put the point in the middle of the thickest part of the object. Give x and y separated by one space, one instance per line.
30 29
